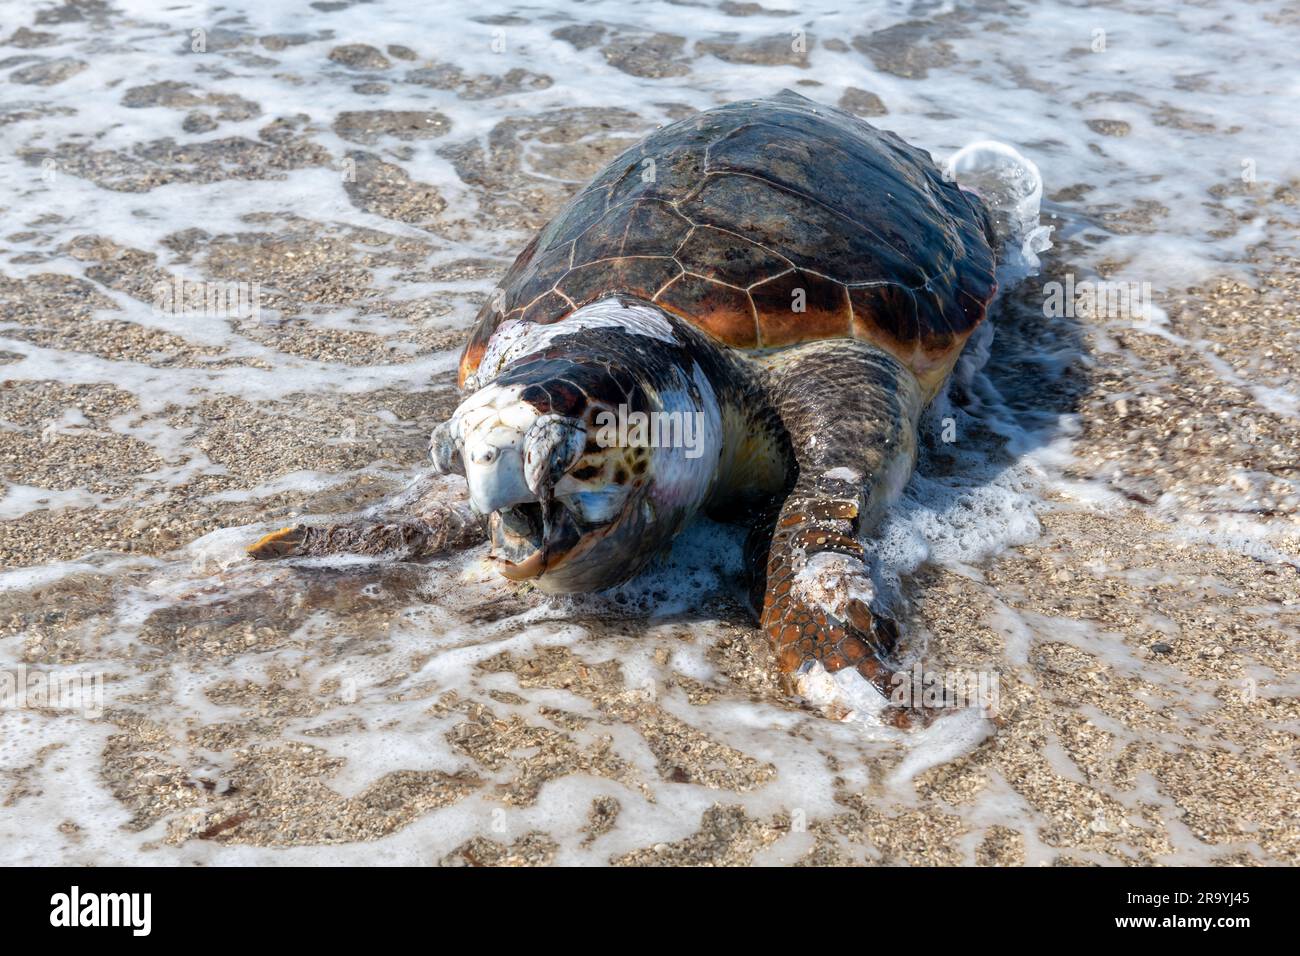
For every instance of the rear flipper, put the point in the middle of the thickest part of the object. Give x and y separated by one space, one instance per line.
850 411
400 537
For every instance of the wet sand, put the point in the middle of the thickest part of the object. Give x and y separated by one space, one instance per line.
1144 641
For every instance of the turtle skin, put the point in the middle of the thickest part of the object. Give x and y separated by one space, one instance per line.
768 223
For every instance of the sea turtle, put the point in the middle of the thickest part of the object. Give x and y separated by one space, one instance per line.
780 289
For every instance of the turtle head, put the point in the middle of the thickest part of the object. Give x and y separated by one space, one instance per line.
588 457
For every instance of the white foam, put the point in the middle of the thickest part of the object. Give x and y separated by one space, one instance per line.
1033 83
951 736
1012 187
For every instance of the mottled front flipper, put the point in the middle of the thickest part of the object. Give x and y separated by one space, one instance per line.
400 536
850 411
815 591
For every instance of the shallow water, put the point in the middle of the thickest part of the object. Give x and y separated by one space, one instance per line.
343 711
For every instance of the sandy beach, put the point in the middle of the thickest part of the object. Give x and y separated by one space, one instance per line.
1113 538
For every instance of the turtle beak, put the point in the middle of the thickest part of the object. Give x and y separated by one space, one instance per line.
512 457
526 542
510 462
551 447
523 548
529 529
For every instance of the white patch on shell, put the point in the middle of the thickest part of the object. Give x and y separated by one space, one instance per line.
829 581
845 695
843 474
517 338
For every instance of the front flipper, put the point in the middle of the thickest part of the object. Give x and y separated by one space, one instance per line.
816 599
850 411
439 529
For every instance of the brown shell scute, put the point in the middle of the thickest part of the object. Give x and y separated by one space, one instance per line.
767 223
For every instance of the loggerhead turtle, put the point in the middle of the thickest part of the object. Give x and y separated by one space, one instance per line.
777 283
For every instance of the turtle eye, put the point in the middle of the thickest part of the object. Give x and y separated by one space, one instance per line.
484 455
